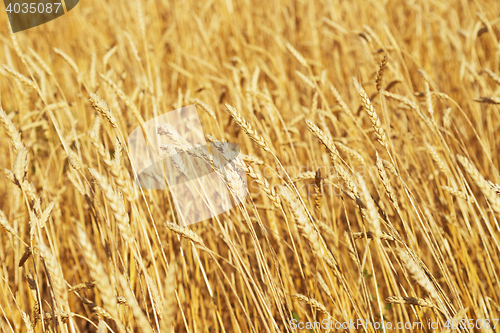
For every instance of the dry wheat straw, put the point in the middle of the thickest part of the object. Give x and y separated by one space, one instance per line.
114 166
121 300
135 52
447 118
176 157
390 167
72 176
155 294
56 106
350 183
325 228
101 312
118 155
10 176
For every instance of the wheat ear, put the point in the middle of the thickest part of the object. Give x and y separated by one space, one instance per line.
411 301
324 139
103 109
247 128
483 185
418 274
98 272
11 130
117 206
312 302
368 106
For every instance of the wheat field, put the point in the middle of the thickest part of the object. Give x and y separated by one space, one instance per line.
369 137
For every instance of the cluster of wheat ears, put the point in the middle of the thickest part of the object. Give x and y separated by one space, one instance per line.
369 136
